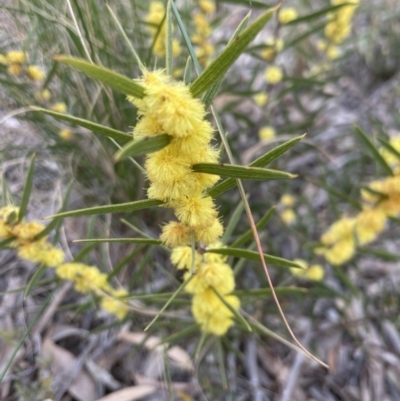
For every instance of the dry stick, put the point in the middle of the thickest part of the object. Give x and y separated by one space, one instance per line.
257 238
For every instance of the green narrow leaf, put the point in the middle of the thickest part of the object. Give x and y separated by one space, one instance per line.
241 172
253 255
380 253
99 129
145 241
113 79
212 91
5 242
373 149
305 35
267 291
34 279
247 3
168 39
119 208
173 296
147 144
316 14
262 161
188 71
128 42
233 221
248 235
27 190
180 334
221 64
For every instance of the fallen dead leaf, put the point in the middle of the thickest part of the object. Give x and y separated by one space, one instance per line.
129 393
82 386
176 353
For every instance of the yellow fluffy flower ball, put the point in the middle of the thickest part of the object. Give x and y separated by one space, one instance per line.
261 99
207 6
65 134
273 74
287 14
60 107
16 57
114 304
14 69
369 224
213 316
288 216
43 95
266 133
35 73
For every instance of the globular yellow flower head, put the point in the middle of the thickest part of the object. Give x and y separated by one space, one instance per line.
315 273
60 107
275 46
341 252
175 234
312 273
213 316
41 252
333 52
273 74
196 211
35 73
288 216
339 241
114 305
266 133
25 232
14 69
287 200
43 95
207 6
369 224
208 235
202 26
287 14
16 57
261 99
85 278
339 27
182 258
385 195
65 134
342 228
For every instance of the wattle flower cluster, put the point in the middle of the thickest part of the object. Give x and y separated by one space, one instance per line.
381 201
22 236
154 18
201 36
16 61
286 211
168 107
338 28
212 275
312 273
